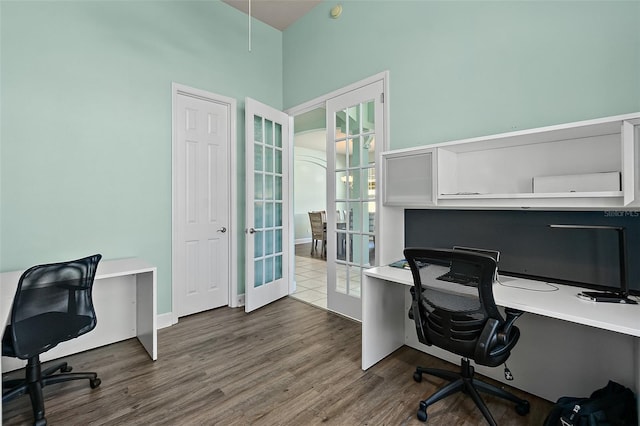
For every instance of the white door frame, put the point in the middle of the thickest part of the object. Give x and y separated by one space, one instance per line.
180 89
320 102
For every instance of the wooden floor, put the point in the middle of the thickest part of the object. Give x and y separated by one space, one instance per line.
288 363
304 250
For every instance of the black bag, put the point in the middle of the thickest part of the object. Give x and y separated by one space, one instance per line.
613 405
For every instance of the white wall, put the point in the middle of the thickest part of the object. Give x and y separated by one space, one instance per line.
310 188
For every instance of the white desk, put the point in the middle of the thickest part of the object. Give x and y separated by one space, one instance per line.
593 343
124 297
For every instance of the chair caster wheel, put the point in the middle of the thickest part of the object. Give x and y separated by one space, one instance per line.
422 412
422 415
94 383
417 377
66 369
523 408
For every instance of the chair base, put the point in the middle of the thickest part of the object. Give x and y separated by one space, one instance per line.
466 383
36 379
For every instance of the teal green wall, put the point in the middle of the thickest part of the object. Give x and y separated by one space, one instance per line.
464 69
86 120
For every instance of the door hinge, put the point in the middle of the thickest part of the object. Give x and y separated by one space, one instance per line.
382 97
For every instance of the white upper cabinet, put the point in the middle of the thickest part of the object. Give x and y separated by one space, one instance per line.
585 165
409 178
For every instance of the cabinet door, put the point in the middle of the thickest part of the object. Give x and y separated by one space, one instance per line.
409 179
629 163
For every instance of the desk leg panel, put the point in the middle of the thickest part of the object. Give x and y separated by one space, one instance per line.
382 319
146 312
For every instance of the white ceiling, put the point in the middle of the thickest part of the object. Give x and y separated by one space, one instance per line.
277 13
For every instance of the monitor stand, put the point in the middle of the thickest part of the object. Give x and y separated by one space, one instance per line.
599 296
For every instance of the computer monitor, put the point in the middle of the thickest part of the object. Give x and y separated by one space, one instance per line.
495 254
615 296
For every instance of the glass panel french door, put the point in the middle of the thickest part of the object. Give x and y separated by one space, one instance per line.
355 137
267 248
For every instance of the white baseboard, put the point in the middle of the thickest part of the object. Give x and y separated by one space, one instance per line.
168 319
302 241
165 320
240 301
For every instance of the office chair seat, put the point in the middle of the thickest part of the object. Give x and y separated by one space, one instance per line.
53 304
51 327
461 317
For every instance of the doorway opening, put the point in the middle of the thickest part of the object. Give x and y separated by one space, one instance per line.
310 183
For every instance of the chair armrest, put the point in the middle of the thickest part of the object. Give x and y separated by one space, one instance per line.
513 339
494 342
413 302
505 334
414 314
486 340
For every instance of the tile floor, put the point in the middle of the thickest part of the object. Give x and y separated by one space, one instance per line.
311 281
311 277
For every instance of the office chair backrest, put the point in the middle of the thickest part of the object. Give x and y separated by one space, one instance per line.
453 304
59 292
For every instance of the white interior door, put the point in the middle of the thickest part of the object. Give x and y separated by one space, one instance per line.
355 133
267 204
201 204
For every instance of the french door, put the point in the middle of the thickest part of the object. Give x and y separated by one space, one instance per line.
267 204
355 138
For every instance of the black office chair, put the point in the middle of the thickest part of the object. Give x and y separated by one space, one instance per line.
453 308
52 304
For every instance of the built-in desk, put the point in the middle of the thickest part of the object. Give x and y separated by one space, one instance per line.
568 346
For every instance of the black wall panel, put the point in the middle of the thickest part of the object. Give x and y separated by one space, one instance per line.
529 247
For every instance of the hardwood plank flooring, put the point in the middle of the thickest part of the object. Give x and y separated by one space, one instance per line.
288 363
304 250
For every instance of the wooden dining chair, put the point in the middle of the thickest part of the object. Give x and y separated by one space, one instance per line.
318 220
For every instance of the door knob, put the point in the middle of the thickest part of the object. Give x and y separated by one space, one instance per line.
223 230
252 231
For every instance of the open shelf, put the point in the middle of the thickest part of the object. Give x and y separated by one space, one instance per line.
586 164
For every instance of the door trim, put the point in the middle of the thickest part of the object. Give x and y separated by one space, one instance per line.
230 103
320 101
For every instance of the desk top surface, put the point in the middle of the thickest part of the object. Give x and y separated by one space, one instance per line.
547 299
